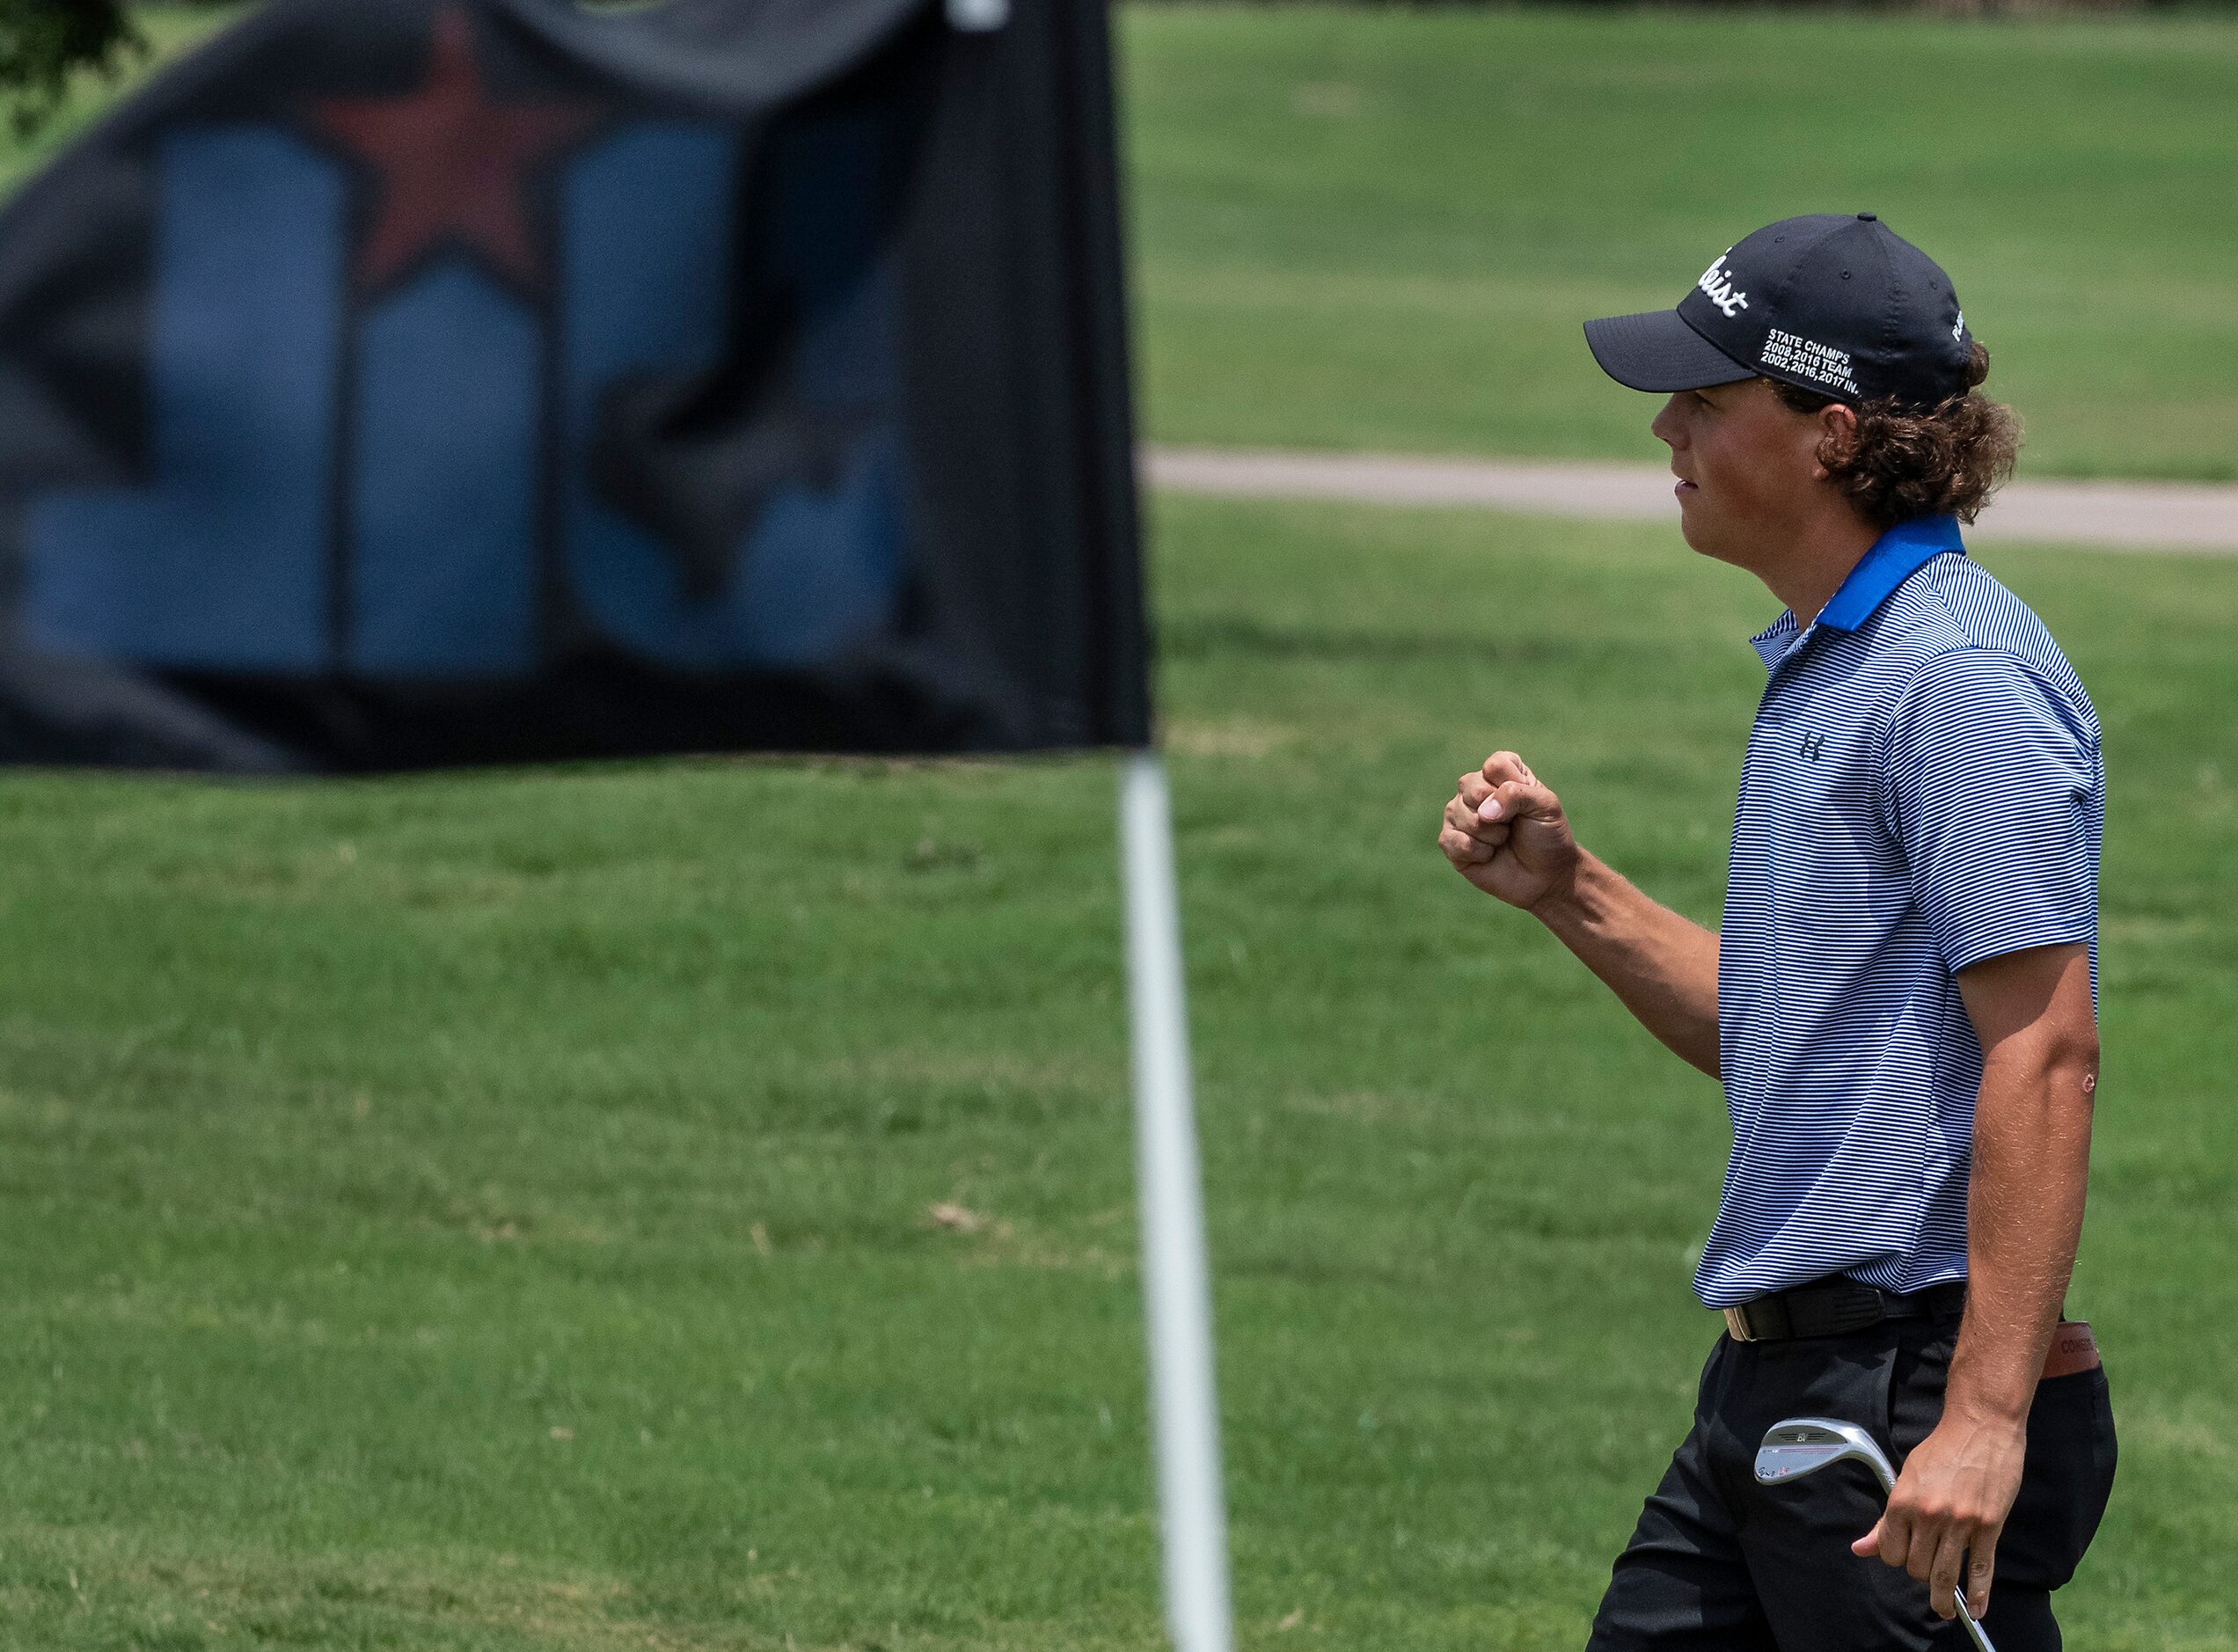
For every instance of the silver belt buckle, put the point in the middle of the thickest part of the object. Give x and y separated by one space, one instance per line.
1736 1325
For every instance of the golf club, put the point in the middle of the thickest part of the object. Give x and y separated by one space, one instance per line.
1803 1445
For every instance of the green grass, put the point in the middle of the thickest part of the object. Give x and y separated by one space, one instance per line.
493 1212
1381 229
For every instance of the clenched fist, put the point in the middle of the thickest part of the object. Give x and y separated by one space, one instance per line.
1506 833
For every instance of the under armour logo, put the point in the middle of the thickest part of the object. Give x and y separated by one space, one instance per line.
1812 744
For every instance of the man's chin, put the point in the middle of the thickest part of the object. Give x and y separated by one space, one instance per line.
1699 532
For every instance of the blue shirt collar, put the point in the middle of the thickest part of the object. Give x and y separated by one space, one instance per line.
1893 559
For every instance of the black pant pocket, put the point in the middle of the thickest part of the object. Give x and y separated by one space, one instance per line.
2064 1486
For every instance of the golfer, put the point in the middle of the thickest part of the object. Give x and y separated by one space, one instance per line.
1900 1000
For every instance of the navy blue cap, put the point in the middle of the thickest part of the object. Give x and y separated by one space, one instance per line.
1832 301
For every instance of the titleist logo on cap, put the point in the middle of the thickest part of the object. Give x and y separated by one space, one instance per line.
1717 287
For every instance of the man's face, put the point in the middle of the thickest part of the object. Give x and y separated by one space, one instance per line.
1748 468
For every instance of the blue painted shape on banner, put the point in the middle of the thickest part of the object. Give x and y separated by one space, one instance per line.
222 562
443 577
647 279
827 206
820 570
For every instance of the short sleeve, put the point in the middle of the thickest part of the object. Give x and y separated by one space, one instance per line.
1995 791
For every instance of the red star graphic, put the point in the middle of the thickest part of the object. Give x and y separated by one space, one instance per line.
451 160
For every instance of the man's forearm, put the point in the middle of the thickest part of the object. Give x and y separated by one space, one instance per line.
2032 1011
1662 966
2024 1219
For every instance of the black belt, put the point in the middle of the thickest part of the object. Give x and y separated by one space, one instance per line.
1830 1307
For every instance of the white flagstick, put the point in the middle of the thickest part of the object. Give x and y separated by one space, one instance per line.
1184 1419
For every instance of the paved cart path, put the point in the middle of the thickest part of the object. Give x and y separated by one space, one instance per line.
2200 517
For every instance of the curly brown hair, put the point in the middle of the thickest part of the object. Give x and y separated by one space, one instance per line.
1905 462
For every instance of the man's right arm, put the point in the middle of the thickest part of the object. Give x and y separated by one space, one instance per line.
1505 832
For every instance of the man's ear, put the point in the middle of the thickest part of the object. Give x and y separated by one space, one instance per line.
1837 437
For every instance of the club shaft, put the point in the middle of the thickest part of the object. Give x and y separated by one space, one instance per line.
1979 1636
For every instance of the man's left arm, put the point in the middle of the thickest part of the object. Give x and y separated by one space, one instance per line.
2031 1154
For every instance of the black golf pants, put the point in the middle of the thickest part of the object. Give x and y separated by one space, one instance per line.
1721 1564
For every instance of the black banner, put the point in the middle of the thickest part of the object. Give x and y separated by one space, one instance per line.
398 383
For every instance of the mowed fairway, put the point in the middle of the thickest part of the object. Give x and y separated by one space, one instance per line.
497 1212
1363 228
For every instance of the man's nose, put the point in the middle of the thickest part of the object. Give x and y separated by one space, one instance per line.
1667 425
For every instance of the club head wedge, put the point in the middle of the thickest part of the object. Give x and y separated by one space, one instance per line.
1803 1445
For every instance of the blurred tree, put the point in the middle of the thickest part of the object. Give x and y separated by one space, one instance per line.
44 42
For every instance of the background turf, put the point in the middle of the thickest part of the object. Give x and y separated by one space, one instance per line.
499 1212
1379 229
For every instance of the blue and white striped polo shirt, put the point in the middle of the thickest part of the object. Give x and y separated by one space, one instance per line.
1923 790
